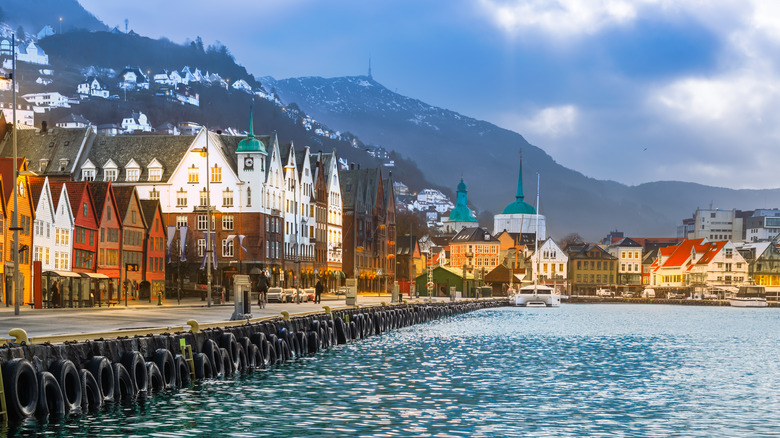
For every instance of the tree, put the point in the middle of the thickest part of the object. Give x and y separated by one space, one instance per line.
571 239
199 44
20 33
409 220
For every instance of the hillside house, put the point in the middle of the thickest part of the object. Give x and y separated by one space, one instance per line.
73 121
242 85
136 122
132 78
93 87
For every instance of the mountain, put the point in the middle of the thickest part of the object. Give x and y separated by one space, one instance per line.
446 145
33 15
76 54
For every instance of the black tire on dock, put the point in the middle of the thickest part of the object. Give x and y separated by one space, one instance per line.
124 387
91 396
21 388
101 369
214 356
156 381
50 399
183 376
135 365
167 366
70 383
203 369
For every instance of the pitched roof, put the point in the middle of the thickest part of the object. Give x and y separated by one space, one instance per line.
149 208
55 186
682 252
473 234
7 173
122 196
167 149
53 145
36 188
98 189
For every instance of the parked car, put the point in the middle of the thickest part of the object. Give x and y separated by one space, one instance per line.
675 295
290 293
342 290
604 293
627 294
309 294
648 293
276 294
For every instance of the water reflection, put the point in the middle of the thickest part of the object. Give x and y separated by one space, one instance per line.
575 371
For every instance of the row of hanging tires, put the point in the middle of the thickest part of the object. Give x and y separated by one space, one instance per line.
63 388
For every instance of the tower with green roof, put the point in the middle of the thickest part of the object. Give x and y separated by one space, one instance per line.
461 216
519 216
250 161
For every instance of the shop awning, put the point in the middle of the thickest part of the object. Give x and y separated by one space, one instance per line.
62 273
93 275
339 274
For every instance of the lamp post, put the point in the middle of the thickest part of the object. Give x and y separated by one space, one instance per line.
15 217
204 152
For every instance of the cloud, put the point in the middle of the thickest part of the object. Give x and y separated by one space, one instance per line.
562 17
551 122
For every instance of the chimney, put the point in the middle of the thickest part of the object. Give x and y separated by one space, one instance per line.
44 126
391 174
358 166
351 166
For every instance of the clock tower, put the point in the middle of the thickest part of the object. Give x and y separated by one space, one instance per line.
251 158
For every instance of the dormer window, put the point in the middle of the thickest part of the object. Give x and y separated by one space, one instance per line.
133 174
88 175
42 165
155 174
109 174
63 164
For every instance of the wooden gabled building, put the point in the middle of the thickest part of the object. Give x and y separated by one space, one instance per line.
154 246
26 216
134 227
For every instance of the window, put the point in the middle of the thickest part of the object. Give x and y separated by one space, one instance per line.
192 174
181 221
84 208
227 222
227 248
201 247
248 197
202 221
155 174
154 195
181 198
133 174
88 174
227 198
204 198
109 175
216 174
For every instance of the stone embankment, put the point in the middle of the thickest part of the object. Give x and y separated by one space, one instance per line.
73 377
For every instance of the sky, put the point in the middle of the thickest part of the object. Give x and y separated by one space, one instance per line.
626 90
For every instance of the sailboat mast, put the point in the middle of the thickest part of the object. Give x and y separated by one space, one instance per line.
536 234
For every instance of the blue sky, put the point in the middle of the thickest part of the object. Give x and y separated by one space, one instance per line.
632 91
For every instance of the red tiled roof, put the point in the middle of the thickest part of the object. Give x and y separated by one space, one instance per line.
713 250
682 252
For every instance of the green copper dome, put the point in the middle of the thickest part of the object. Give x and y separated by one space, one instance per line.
519 206
250 143
461 212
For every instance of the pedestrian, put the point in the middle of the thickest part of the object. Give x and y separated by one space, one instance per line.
262 287
318 288
55 295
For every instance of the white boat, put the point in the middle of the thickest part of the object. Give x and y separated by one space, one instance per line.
537 295
749 296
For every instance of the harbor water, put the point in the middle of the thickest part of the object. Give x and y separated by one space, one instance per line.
577 370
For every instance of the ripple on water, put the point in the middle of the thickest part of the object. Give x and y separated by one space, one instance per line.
593 370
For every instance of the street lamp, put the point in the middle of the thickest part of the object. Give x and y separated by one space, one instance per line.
15 218
204 152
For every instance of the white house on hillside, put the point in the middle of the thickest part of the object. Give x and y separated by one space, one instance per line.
136 122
